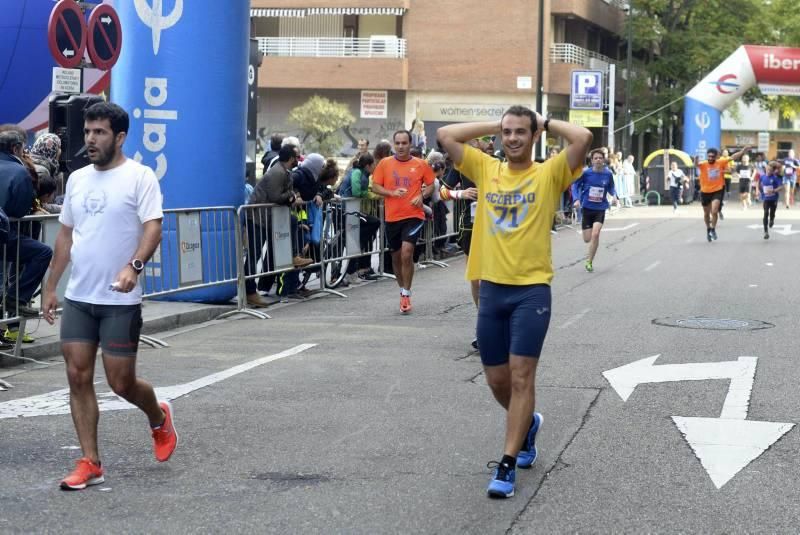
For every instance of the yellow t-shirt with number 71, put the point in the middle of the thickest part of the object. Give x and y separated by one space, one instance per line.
514 215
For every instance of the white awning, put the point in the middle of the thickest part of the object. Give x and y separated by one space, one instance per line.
278 13
299 13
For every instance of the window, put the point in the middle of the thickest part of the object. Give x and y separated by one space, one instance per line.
783 149
784 123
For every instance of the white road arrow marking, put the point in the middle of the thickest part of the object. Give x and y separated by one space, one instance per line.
617 229
783 230
105 20
723 445
56 403
68 53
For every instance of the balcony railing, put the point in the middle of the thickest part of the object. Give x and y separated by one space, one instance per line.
383 46
569 53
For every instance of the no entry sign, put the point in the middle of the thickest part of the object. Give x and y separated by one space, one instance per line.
105 37
66 34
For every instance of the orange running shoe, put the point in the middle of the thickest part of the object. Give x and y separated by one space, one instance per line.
405 304
86 473
165 438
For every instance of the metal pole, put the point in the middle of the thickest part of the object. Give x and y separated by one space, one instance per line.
612 90
626 136
540 78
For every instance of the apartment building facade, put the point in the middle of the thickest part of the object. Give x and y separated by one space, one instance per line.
441 61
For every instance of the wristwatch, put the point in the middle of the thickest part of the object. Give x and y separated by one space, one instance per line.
137 265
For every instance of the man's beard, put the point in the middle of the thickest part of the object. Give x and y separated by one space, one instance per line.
102 158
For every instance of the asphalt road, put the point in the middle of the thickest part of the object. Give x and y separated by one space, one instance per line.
386 424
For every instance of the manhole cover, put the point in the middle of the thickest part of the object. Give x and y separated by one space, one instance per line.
714 324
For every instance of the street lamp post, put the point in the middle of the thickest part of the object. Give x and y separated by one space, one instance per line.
626 136
541 145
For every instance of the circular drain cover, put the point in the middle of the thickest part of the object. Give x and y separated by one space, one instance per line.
714 324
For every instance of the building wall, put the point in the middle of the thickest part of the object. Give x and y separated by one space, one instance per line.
294 4
497 49
275 104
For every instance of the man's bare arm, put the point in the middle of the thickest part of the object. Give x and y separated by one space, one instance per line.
453 136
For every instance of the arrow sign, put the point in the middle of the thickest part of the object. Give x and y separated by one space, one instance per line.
57 402
784 230
105 37
723 445
66 34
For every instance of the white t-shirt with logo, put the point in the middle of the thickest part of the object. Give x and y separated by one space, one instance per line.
107 211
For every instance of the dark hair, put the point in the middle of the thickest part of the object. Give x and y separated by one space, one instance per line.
406 132
365 140
596 151
275 142
416 152
522 111
382 150
329 172
713 151
286 153
364 161
10 139
117 117
47 185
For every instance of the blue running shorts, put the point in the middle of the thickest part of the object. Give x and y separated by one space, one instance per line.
512 320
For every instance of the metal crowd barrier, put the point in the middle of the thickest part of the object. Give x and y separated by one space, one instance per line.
329 236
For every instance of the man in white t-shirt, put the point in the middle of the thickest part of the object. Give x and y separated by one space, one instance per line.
110 226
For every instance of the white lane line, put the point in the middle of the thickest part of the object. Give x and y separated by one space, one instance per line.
574 318
754 285
653 265
770 264
57 402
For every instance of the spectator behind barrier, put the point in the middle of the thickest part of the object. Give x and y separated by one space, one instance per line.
16 199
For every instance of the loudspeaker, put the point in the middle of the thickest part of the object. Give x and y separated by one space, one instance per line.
66 121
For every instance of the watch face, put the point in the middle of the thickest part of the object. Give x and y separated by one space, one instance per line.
138 265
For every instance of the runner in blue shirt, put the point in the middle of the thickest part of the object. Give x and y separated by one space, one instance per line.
591 192
769 187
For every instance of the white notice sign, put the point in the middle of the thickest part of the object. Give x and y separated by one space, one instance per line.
374 104
763 142
66 80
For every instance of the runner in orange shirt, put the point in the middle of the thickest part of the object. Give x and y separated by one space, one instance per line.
712 187
404 181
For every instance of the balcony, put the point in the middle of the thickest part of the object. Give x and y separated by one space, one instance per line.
378 46
575 55
376 62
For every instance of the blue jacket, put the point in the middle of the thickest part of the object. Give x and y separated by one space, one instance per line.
16 187
592 188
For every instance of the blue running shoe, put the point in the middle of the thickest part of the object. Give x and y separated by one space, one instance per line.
502 483
527 455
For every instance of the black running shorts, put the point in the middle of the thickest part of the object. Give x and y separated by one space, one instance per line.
405 230
707 198
590 217
115 328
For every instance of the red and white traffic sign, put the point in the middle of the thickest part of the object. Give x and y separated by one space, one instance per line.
105 37
66 33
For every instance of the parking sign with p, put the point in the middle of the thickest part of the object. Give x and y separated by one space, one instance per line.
587 90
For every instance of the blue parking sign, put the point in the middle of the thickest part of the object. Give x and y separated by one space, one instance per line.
586 92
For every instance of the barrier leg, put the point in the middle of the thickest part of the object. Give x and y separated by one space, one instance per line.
241 292
429 260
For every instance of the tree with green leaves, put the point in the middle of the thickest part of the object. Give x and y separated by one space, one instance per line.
320 119
678 42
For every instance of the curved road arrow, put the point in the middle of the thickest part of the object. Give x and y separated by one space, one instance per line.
723 445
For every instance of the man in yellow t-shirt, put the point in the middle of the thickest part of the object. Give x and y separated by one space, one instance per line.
511 256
